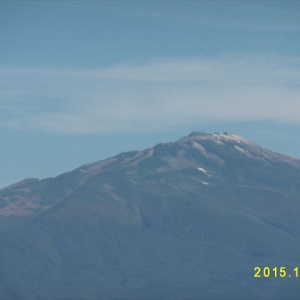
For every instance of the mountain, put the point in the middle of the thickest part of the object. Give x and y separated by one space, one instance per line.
183 220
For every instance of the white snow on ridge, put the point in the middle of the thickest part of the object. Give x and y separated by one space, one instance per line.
241 149
199 147
219 138
236 138
231 137
206 183
218 142
201 169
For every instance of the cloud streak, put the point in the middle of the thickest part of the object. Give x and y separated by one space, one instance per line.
238 17
150 95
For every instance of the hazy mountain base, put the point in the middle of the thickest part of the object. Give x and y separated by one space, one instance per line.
143 225
180 248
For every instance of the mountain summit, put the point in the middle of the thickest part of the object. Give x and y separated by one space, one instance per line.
183 220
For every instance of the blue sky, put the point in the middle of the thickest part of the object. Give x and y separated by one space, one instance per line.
82 81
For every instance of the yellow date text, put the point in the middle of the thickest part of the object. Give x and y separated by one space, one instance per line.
281 272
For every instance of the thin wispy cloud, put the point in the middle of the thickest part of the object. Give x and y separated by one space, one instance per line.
150 95
241 20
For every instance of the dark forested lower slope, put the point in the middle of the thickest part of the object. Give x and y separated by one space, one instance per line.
183 220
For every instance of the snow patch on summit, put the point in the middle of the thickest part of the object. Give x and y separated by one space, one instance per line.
232 137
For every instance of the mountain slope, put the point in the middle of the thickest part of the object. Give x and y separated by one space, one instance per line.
182 220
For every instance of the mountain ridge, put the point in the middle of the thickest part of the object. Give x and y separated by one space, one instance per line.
185 219
194 134
207 150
